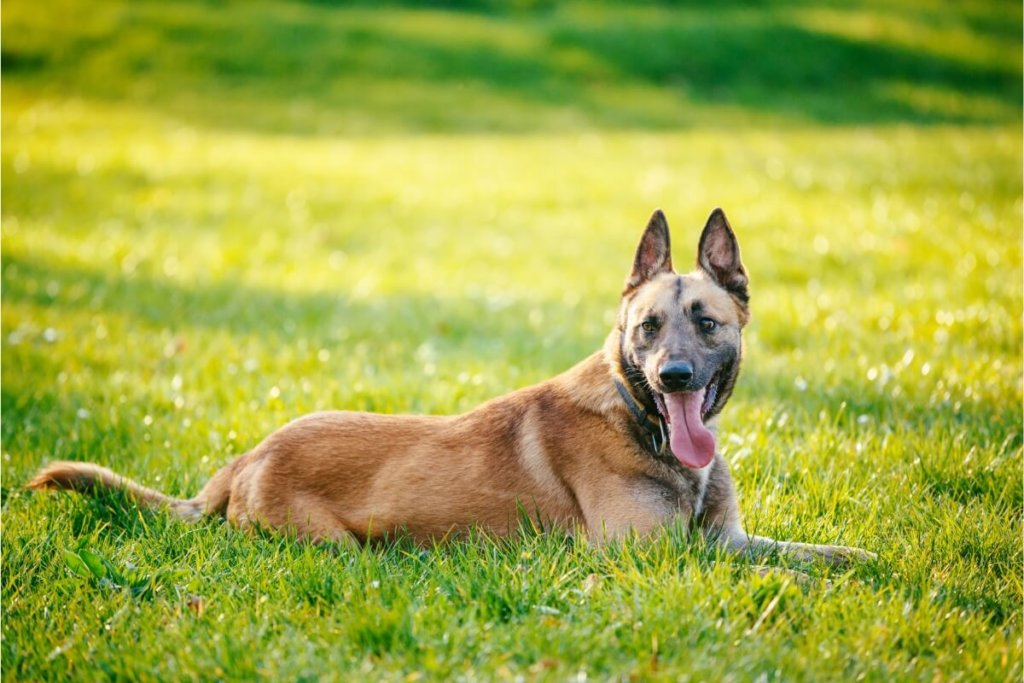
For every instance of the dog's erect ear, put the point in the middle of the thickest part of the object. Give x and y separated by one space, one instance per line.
654 255
719 256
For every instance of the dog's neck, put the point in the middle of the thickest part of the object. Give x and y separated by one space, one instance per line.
624 371
636 395
593 383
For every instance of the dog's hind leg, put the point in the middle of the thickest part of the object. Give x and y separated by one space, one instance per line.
314 523
250 499
314 530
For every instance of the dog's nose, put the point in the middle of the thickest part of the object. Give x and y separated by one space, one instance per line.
676 374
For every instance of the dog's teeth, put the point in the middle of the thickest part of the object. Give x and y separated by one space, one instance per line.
710 394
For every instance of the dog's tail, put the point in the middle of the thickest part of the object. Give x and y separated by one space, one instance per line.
89 478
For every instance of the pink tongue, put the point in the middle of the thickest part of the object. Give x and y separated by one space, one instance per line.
692 443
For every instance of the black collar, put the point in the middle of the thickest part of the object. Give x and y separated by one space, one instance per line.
655 428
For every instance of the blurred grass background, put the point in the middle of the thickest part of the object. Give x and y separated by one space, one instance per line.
375 68
219 215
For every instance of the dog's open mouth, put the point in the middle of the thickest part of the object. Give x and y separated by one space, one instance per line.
684 412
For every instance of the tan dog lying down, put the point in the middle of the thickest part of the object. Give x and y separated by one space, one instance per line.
622 441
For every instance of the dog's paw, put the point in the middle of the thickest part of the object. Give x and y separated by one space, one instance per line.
841 556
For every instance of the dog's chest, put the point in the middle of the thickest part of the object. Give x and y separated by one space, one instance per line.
675 491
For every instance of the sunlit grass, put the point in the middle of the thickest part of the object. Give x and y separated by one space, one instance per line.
183 273
904 29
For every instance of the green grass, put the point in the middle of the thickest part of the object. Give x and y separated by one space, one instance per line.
217 217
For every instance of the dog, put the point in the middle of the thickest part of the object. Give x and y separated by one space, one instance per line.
621 443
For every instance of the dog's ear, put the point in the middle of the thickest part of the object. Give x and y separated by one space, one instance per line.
654 255
719 256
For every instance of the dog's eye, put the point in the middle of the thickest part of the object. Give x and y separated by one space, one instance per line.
707 325
648 326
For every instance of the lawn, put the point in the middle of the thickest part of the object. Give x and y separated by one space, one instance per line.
219 216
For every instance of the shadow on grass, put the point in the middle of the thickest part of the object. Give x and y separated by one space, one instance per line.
324 319
284 67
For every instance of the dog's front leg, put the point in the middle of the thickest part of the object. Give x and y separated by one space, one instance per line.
721 521
739 541
623 507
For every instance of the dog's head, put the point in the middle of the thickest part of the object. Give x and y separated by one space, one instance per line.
680 334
